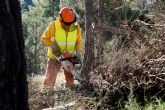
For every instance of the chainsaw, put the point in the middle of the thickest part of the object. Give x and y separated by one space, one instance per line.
68 63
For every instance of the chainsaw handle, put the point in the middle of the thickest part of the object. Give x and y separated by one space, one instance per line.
70 59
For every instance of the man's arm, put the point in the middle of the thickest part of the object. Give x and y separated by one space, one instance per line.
47 36
79 40
79 43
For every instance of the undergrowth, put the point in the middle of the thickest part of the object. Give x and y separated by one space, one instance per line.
133 64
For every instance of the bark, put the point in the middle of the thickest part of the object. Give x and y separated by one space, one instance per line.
13 83
100 35
88 61
35 50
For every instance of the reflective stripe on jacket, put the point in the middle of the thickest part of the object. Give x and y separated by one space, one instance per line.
65 40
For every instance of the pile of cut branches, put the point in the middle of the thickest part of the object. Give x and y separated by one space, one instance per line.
135 65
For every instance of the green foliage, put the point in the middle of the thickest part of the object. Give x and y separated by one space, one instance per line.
51 8
133 105
122 11
131 15
34 24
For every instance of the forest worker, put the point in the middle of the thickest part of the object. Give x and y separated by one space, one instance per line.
61 36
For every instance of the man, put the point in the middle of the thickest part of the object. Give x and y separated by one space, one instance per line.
62 37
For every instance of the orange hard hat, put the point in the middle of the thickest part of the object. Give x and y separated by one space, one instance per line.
67 14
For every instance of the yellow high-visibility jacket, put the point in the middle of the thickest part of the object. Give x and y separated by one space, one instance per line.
55 33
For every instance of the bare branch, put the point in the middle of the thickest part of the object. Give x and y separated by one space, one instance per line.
110 29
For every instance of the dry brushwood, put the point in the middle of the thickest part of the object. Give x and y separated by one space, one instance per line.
138 69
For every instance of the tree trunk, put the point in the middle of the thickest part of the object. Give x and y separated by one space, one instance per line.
88 61
35 49
13 84
100 35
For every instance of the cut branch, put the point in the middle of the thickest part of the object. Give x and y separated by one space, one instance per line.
110 29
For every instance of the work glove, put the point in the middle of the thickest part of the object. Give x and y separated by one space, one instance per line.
76 58
78 55
56 49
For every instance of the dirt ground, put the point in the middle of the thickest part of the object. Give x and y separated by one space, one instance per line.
55 99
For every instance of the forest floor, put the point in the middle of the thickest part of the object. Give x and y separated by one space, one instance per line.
69 99
57 99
